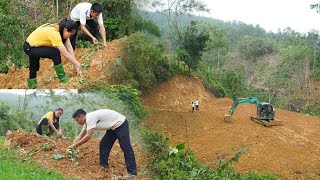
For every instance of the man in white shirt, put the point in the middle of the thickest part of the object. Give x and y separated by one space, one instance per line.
116 126
86 13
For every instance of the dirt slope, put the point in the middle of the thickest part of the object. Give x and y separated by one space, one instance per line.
100 62
88 158
291 150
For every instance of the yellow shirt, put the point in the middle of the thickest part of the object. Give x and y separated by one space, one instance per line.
45 35
49 116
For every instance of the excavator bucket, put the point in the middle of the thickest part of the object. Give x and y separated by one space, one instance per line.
227 118
266 123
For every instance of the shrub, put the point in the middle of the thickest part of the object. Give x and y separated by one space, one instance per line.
128 95
176 163
11 119
144 62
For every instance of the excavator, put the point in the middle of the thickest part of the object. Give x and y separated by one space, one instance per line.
265 112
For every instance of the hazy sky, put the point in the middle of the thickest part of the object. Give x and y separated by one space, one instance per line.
269 14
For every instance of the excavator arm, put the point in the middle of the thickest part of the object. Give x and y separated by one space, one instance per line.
249 100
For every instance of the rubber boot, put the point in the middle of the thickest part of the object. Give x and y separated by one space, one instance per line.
32 83
44 129
50 132
61 74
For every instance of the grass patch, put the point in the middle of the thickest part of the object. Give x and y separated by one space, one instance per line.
1 140
13 168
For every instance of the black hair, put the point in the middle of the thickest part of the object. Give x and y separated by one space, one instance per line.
78 112
96 7
69 24
54 114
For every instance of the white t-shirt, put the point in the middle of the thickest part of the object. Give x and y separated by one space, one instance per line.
197 102
103 119
81 12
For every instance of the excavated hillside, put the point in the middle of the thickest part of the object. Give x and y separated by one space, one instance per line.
86 166
96 64
292 150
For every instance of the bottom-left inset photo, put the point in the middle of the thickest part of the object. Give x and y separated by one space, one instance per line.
68 134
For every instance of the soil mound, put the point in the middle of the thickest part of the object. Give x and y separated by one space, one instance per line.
86 166
97 64
291 150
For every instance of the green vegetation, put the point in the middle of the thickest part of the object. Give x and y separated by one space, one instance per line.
122 19
13 30
192 45
12 167
72 154
277 66
144 63
13 119
128 95
172 163
313 110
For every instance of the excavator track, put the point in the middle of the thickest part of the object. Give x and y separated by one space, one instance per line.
266 123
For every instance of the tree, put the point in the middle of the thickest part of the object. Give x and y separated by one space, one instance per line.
253 47
192 45
122 18
168 8
315 6
217 45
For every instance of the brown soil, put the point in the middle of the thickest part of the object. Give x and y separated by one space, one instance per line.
88 156
97 73
291 150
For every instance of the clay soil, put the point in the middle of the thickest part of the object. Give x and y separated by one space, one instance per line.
101 61
291 151
31 144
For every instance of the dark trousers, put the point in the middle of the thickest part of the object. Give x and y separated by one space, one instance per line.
44 122
93 29
35 53
122 134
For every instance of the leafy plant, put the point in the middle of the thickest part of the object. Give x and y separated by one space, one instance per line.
192 45
46 147
177 163
128 95
145 61
58 156
72 154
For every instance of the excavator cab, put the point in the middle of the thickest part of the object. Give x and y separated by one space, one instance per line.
265 111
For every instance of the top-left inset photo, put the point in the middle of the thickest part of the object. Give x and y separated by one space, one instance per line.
69 51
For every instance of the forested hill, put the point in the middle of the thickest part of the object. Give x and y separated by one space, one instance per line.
284 65
247 29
